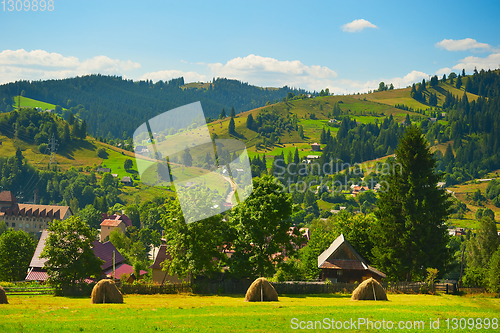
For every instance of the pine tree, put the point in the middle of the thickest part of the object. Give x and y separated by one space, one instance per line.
250 121
448 155
222 114
301 131
410 234
296 158
232 127
407 120
322 139
232 113
459 82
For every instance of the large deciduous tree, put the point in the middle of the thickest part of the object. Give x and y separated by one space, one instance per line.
197 247
262 230
68 249
409 234
16 250
479 251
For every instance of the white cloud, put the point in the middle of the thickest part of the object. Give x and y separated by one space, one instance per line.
357 25
444 70
350 86
170 74
41 65
469 63
462 45
265 71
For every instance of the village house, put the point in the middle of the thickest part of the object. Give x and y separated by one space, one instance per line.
104 251
109 225
127 181
341 263
103 170
315 147
29 217
161 276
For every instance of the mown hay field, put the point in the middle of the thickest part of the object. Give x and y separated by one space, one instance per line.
186 313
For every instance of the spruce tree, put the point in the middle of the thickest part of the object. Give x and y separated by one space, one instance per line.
222 114
458 84
232 113
409 235
250 121
322 139
232 127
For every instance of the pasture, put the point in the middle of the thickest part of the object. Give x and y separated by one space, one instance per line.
194 313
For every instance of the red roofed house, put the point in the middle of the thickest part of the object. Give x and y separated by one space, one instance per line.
341 263
29 217
109 225
36 272
104 251
160 276
123 217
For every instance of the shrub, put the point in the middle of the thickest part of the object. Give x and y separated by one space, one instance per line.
101 152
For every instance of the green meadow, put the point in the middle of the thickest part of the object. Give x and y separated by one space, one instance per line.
32 103
189 313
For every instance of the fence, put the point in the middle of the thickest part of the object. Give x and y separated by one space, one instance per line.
292 288
153 289
42 290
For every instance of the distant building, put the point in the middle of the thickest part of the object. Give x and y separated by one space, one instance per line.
109 225
29 217
315 147
103 170
311 158
127 181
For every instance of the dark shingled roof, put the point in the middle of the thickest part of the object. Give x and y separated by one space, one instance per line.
161 257
353 261
104 251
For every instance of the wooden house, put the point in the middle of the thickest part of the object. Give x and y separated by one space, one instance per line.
341 263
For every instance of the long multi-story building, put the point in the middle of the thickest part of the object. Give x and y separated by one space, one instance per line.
28 217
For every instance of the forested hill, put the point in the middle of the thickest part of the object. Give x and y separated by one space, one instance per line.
112 105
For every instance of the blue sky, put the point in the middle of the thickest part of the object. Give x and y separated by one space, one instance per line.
347 46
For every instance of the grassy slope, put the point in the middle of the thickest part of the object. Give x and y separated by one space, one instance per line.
364 108
147 313
32 103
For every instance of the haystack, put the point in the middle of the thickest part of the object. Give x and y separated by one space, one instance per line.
369 290
261 290
3 296
105 291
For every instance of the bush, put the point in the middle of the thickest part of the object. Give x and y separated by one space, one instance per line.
43 148
101 152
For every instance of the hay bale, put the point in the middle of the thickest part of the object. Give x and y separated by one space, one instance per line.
254 292
3 296
105 291
366 290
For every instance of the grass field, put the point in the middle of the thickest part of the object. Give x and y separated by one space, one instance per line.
186 313
32 103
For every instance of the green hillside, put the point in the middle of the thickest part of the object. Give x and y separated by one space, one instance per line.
32 103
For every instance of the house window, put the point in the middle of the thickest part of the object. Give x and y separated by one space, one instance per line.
13 224
339 273
7 223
